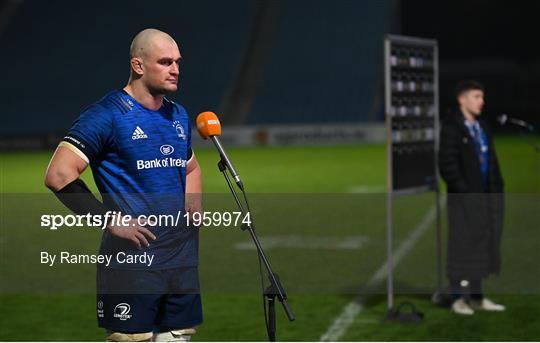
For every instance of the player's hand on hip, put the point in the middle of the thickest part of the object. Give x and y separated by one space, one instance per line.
139 235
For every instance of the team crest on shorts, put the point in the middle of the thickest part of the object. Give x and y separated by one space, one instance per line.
179 129
121 311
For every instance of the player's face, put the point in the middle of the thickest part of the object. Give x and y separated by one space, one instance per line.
472 101
162 67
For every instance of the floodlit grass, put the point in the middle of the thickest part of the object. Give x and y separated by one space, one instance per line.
320 281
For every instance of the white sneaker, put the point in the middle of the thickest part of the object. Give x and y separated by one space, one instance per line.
461 307
487 305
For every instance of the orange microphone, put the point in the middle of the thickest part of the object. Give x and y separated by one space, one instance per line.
209 126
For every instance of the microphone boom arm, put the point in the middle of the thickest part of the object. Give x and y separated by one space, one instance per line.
275 289
227 162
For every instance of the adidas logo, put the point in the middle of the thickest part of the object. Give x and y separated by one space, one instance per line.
138 134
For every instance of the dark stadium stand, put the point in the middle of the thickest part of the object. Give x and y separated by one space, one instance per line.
77 54
254 62
326 64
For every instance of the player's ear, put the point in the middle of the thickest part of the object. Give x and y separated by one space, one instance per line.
461 99
136 66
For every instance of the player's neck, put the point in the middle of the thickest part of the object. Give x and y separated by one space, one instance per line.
471 118
144 97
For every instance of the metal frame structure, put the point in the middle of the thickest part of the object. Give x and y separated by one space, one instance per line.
392 191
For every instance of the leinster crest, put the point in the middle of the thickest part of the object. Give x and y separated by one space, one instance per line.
179 129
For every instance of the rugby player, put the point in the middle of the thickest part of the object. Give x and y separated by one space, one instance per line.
138 145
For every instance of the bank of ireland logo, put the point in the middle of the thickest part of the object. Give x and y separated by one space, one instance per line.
166 149
121 311
179 129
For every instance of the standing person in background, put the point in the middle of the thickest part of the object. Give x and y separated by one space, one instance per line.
469 166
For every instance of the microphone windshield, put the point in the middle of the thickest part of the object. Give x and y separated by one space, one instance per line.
208 125
502 119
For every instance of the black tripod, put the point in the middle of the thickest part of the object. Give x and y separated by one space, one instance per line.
275 289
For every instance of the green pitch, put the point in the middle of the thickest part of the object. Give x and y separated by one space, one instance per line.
342 185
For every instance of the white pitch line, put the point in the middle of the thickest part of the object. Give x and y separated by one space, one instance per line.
366 189
341 324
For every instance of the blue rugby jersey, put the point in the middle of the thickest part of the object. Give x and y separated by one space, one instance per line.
138 159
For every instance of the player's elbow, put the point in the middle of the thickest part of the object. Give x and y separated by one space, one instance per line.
57 178
53 181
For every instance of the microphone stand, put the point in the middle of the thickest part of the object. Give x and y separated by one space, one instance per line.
275 289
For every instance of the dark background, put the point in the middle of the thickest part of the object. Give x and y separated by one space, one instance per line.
490 41
261 62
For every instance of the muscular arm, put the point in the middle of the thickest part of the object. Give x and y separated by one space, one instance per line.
65 166
193 186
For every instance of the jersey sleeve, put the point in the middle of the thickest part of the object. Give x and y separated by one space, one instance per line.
90 133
